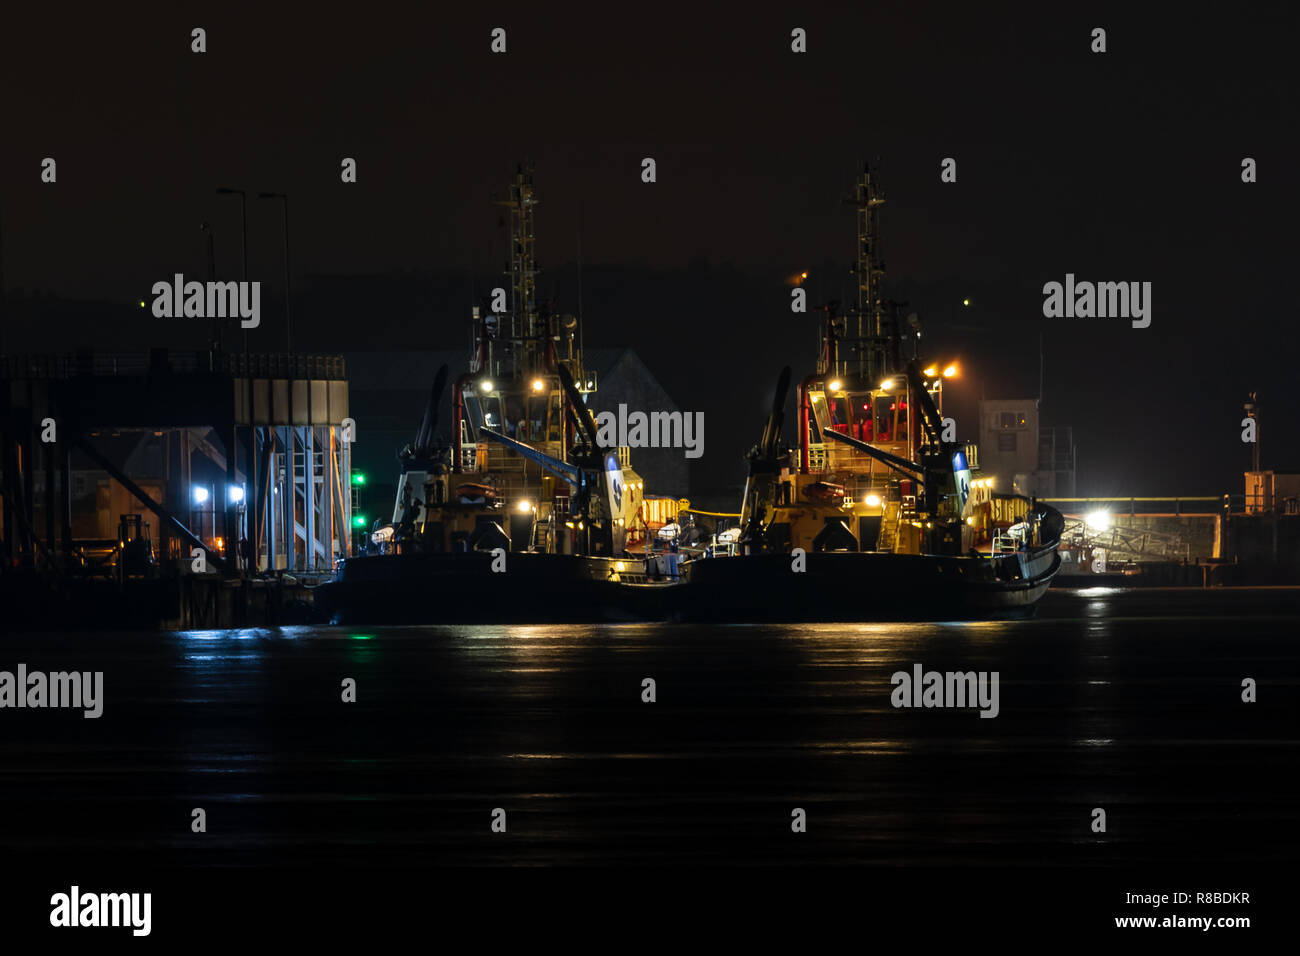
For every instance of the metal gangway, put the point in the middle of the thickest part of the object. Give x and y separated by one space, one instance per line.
1126 543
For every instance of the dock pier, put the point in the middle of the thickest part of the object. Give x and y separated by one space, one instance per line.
169 488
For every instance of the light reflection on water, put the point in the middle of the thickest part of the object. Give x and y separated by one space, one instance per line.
1104 700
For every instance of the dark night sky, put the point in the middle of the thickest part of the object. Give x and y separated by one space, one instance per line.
1122 166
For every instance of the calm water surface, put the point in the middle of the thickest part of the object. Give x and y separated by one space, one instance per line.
1130 701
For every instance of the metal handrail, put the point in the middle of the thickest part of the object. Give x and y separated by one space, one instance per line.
263 365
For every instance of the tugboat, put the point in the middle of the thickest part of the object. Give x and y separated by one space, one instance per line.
879 513
932 543
520 516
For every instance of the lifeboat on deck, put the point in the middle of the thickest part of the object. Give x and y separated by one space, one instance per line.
473 491
823 491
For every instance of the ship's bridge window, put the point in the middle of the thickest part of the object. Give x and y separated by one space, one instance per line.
474 413
555 419
864 422
891 417
535 421
840 409
819 419
514 413
489 407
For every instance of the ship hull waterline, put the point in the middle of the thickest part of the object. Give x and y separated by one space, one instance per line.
864 587
868 587
464 589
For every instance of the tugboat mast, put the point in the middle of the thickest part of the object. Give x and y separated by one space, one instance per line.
527 336
878 339
875 351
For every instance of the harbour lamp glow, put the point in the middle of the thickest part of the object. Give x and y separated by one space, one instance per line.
873 501
930 372
200 494
965 301
886 384
525 505
538 385
1097 520
236 493
486 385
951 371
836 385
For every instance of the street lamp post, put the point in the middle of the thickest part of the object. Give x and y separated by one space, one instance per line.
248 373
243 217
288 288
206 228
290 442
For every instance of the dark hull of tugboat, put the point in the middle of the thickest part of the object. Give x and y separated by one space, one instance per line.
867 587
463 589
544 588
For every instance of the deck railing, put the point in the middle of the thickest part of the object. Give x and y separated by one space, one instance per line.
153 361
